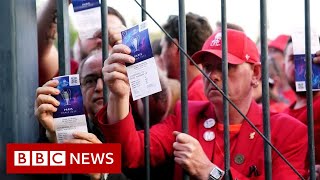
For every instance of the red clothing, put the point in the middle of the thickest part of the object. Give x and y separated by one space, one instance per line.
74 65
277 106
289 95
292 145
301 114
196 90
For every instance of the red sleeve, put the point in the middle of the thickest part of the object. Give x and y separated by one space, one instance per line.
74 66
293 145
132 141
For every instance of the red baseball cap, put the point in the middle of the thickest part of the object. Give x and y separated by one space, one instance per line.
241 48
280 42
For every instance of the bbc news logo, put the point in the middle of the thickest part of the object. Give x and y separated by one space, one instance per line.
39 158
63 158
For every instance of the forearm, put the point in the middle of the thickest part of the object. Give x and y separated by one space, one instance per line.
47 27
51 137
118 108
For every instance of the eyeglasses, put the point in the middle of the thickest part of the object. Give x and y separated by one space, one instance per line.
90 80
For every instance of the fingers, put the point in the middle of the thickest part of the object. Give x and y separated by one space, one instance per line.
48 88
95 176
182 154
120 58
87 137
77 141
182 137
317 58
44 115
51 83
46 99
114 33
120 54
121 68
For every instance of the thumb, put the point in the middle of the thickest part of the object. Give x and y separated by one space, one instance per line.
182 137
175 133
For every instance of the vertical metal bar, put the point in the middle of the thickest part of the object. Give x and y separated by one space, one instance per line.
63 44
265 89
183 71
63 37
146 116
105 42
225 89
19 78
311 147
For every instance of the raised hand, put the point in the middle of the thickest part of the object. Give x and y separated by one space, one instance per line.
115 73
317 58
45 104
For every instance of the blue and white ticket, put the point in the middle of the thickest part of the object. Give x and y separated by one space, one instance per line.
87 18
298 42
143 74
70 116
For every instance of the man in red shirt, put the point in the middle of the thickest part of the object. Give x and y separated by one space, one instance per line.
298 109
198 30
201 153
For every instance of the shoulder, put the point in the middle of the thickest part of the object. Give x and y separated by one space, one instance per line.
282 123
283 119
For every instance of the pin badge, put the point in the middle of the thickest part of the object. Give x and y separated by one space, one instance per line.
251 135
208 135
209 123
239 159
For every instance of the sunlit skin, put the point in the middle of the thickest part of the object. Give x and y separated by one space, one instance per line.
289 66
96 43
170 59
240 89
92 92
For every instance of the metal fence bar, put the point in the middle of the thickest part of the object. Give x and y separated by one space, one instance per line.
225 89
183 71
63 37
63 45
265 89
146 116
223 94
311 148
105 42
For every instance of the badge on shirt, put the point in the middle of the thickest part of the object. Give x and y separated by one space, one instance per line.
208 135
209 123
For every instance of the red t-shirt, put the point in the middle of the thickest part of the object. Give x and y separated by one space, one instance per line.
196 90
301 114
276 106
290 95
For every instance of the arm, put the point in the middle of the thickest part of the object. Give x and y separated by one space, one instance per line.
47 52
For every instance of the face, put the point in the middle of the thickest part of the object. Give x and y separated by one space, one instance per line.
240 80
170 58
289 66
277 55
92 85
89 45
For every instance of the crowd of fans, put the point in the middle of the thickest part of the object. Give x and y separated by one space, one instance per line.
201 152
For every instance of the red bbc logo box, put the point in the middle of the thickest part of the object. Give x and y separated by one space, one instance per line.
63 158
